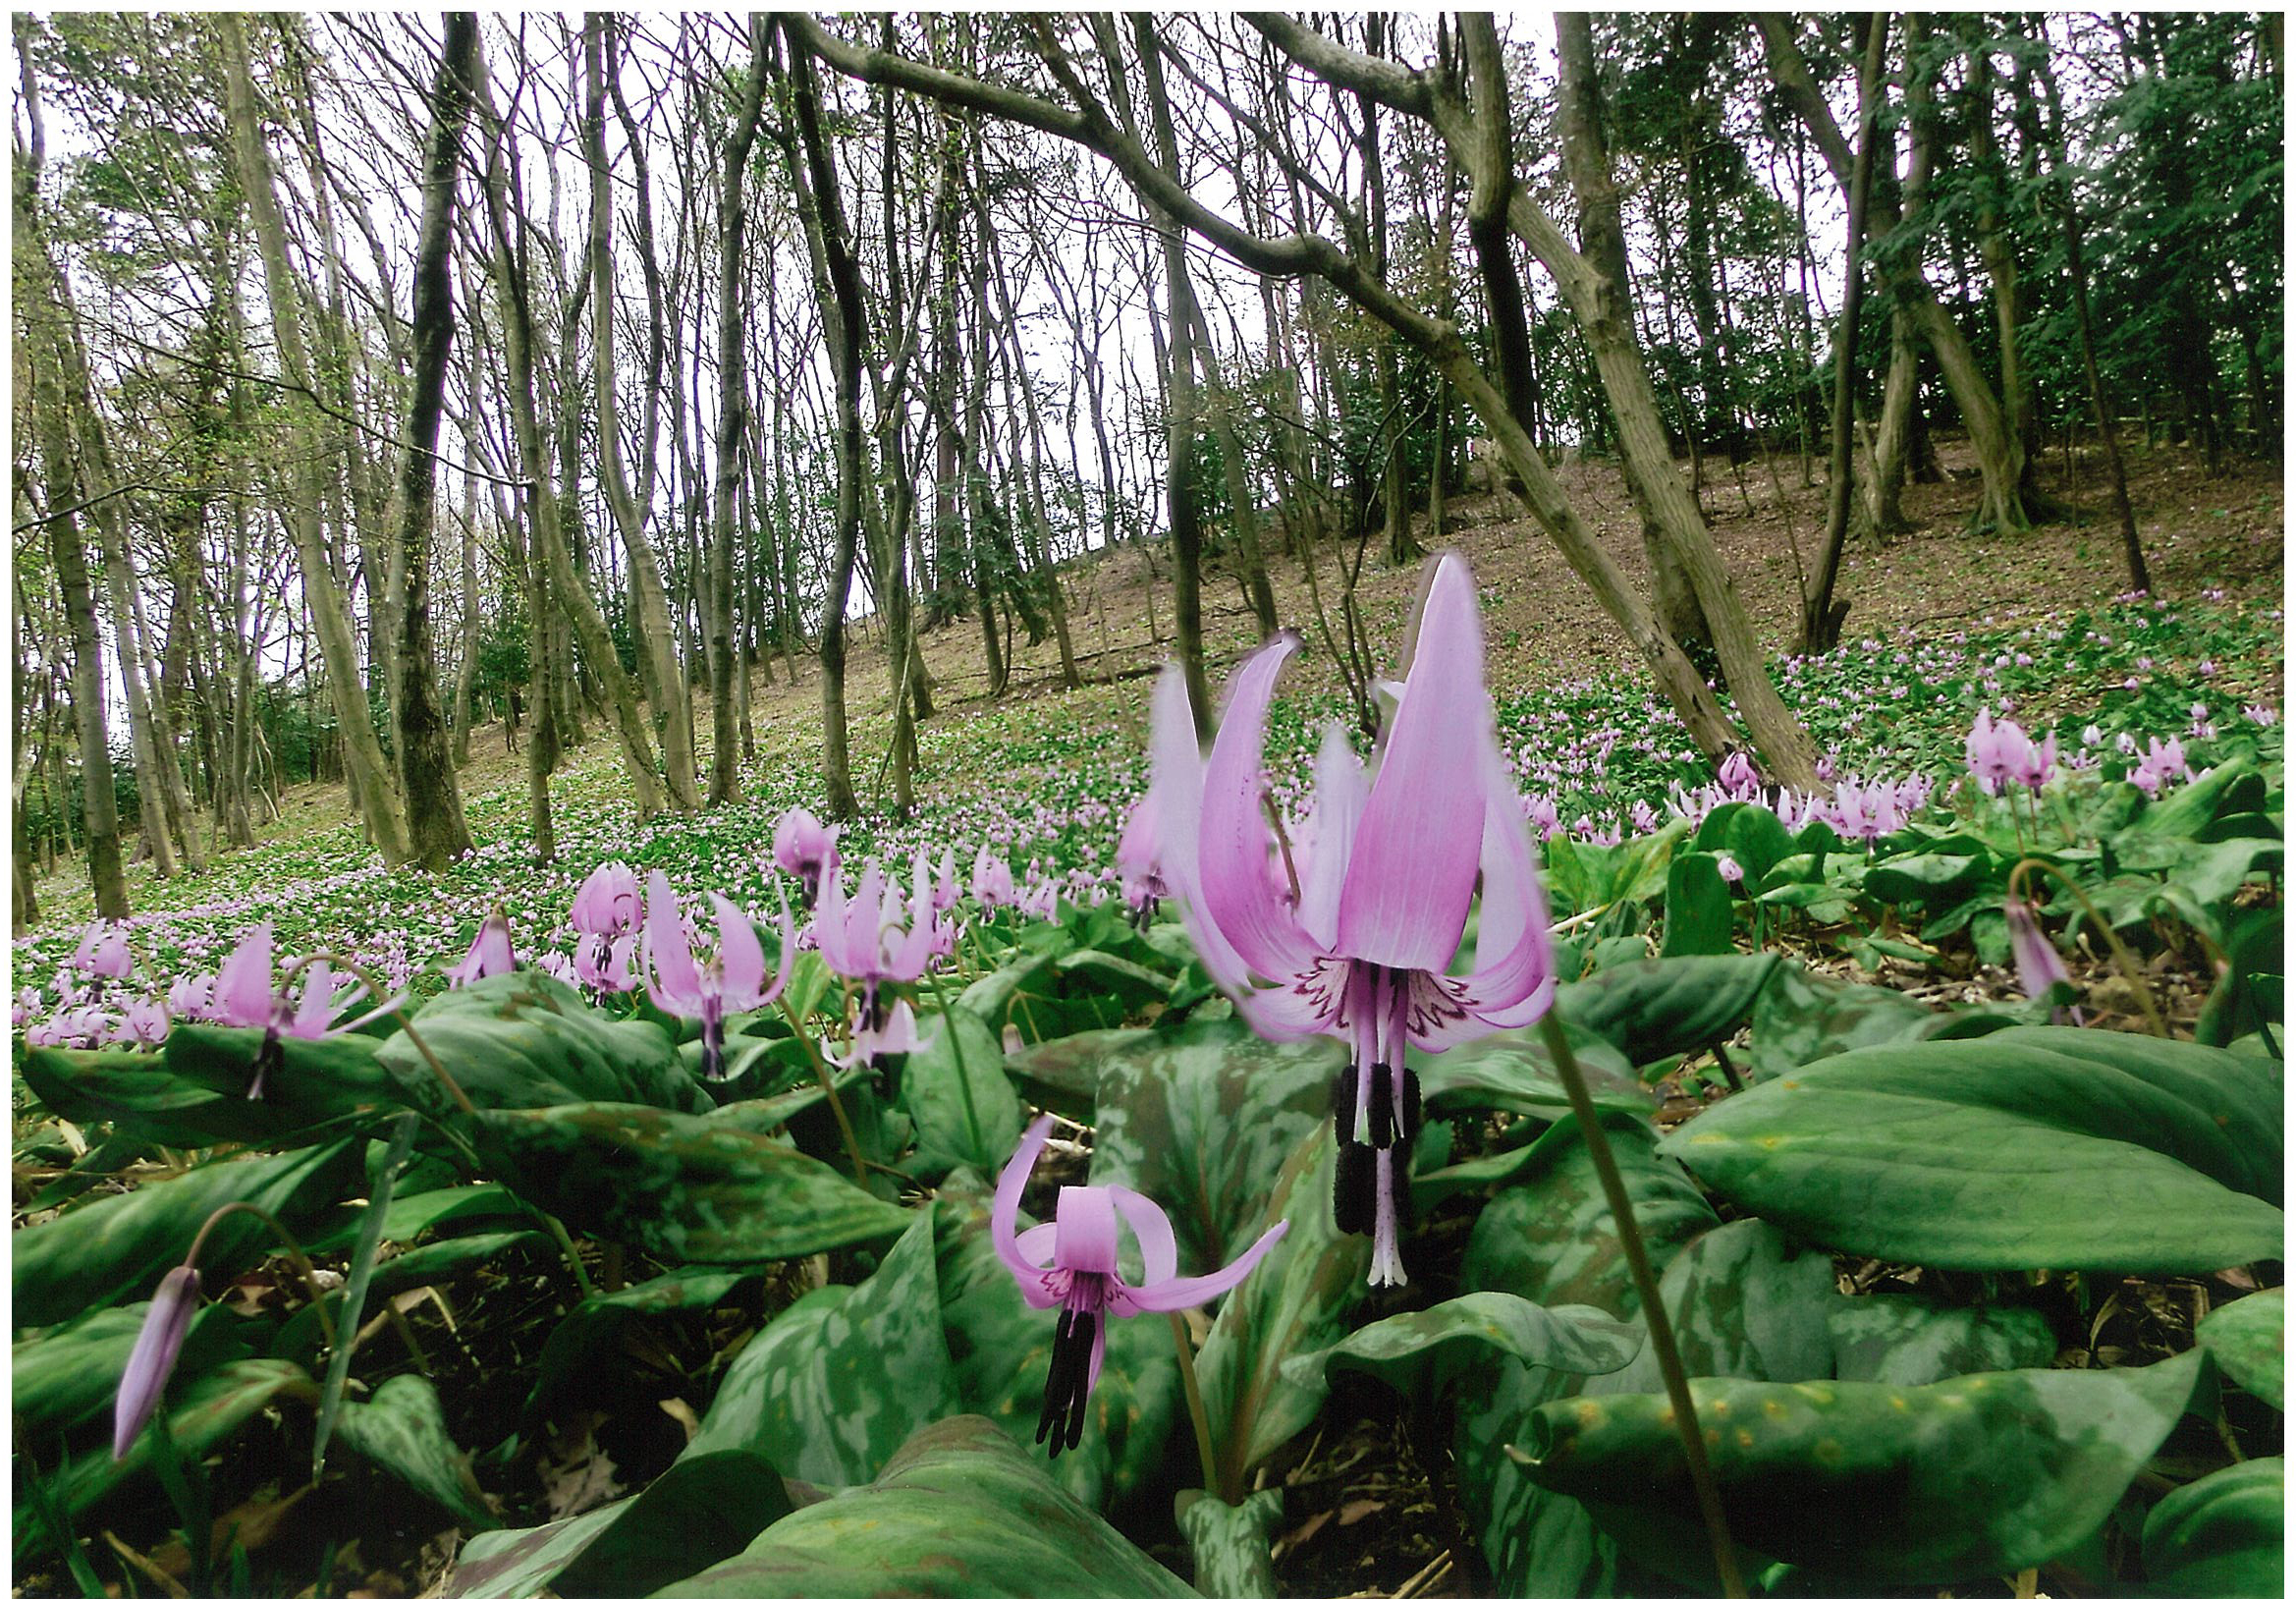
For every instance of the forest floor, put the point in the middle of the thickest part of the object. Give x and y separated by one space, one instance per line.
1361 1515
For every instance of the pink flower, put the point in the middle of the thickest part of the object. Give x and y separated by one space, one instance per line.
490 953
243 998
103 952
801 845
1071 1262
732 979
1358 939
608 906
161 1340
992 881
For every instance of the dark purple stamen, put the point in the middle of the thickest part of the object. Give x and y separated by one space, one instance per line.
1069 1384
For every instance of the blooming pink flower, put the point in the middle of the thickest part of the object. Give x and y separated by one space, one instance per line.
1363 945
243 998
103 952
1071 1262
876 937
992 881
731 980
607 907
801 845
490 953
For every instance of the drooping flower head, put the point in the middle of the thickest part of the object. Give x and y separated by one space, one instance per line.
2040 967
1738 778
1361 944
877 937
103 952
1070 1262
490 953
1136 860
608 910
157 1345
245 997
886 1048
731 980
804 847
2000 754
992 881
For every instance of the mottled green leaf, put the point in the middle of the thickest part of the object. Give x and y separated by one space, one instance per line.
959 1512
2223 1538
160 1098
528 1041
1862 1482
1649 1010
1230 1543
203 1415
1945 874
1296 1301
582 1346
679 1186
1907 1340
1551 1239
705 1508
1744 1301
1751 835
404 1430
956 1090
68 1376
2028 1148
2250 1339
1199 1118
1801 1017
1697 908
1421 1354
1003 1353
1037 996
117 1248
1512 1071
834 1385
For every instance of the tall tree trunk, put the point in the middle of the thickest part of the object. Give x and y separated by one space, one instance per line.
365 767
657 638
1820 617
436 829
732 419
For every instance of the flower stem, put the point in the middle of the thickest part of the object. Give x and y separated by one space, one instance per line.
1654 1310
837 1106
1196 1418
303 1263
2120 952
972 1119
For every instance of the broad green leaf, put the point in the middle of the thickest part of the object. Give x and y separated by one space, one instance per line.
1512 1071
1744 1302
156 1099
2223 1538
404 1430
1801 1017
1678 1006
1296 1301
2248 997
1551 1239
1420 1354
956 1090
1230 1543
679 1186
1199 1118
526 1040
1698 908
205 1413
959 1512
1751 835
1906 1339
117 1249
2032 1148
582 1347
1043 1001
2250 1339
1949 873
68 1376
1866 1483
834 1385
1003 1353
705 1508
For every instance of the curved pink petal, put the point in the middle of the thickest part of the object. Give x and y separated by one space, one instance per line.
1037 1244
1179 1292
832 922
669 957
1233 852
243 987
1175 793
789 954
1307 1006
1412 871
741 958
1159 1250
1087 1242
1341 793
1513 979
1004 1209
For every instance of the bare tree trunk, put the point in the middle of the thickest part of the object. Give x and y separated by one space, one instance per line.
732 419
436 829
658 667
365 767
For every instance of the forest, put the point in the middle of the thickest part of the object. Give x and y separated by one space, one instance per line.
1584 708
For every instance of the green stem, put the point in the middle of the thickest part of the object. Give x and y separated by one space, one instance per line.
565 1246
2120 952
972 1120
1196 1416
454 1089
1654 1310
837 1107
294 1253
